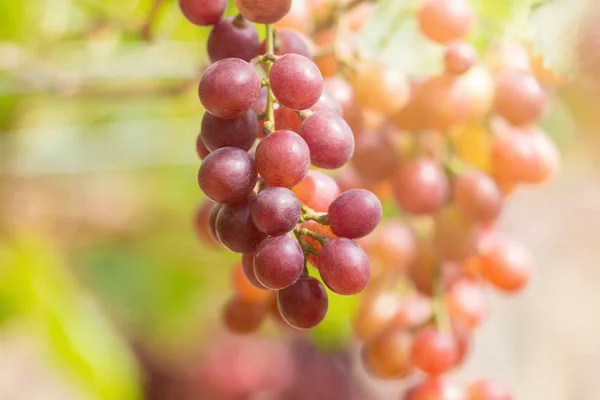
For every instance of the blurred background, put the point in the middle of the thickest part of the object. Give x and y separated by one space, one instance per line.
105 290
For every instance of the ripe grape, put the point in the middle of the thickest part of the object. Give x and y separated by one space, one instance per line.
279 262
317 190
227 175
202 223
275 211
355 213
304 304
201 149
380 87
212 221
488 389
459 58
237 132
229 87
248 268
394 244
203 12
375 314
436 388
287 42
329 139
467 303
233 37
246 290
296 81
445 20
477 197
344 266
263 11
520 99
343 92
434 351
235 228
243 317
420 186
506 263
478 87
387 355
325 103
455 238
381 167
282 158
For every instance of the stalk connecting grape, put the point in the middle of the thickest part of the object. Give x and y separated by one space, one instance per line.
442 152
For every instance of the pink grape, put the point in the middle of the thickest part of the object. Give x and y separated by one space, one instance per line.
296 81
275 211
233 38
304 304
235 228
344 266
478 197
329 138
420 186
355 213
279 262
203 12
434 351
317 190
282 158
381 167
237 132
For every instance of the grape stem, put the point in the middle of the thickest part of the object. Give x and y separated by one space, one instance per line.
321 219
440 316
319 238
306 247
269 125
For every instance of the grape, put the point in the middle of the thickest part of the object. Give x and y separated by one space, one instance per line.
287 42
227 175
343 92
235 228
325 103
375 169
298 18
507 264
434 352
203 224
229 87
455 238
420 186
279 262
477 197
317 190
201 149
237 132
248 268
344 266
459 58
275 211
212 221
296 81
478 87
393 244
387 355
445 20
381 88
263 11
245 290
203 12
355 213
375 314
519 98
329 139
233 38
282 158
304 304
488 389
466 303
436 388
243 317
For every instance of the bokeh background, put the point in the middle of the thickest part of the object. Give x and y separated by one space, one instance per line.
105 291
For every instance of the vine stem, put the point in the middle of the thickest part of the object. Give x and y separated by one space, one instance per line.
269 126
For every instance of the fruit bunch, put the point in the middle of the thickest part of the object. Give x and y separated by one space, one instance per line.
267 204
443 152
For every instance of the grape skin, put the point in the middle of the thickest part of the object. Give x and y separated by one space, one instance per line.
231 38
381 167
387 356
227 175
520 98
317 190
275 211
228 88
296 81
235 228
434 351
445 20
478 197
282 158
459 58
279 262
420 186
264 11
344 266
329 138
304 304
237 132
355 213
203 12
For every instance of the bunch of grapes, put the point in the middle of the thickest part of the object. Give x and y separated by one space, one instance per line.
443 152
266 202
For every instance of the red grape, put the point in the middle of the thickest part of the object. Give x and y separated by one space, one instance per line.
317 190
329 139
459 58
488 389
263 11
229 87
520 99
201 149
420 186
233 38
279 262
203 12
248 268
275 211
344 266
380 87
478 197
434 351
506 263
355 213
387 355
243 317
296 81
282 158
235 228
237 132
304 304
381 167
286 42
467 303
212 221
445 20
436 388
343 92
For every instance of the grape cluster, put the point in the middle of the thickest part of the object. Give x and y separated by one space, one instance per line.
262 130
444 152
